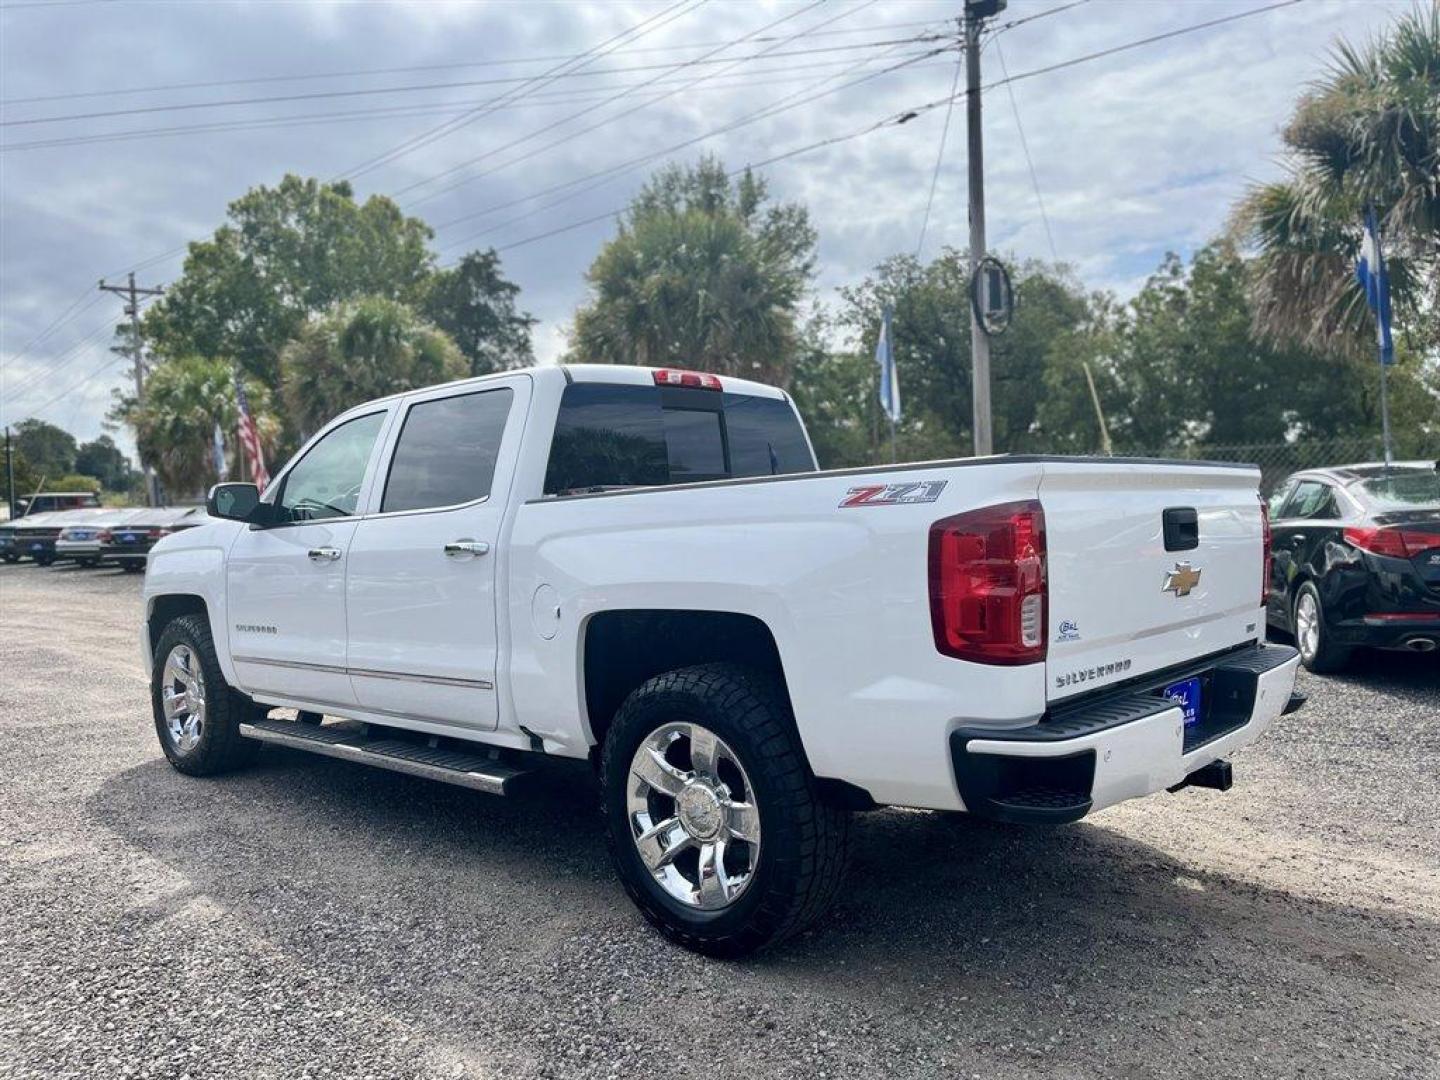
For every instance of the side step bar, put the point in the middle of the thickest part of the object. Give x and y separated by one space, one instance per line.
469 770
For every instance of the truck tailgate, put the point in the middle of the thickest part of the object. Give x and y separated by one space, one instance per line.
1128 596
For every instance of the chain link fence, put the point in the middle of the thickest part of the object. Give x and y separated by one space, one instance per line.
1279 460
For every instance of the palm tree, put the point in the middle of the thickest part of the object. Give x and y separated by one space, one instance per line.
362 350
185 398
1365 135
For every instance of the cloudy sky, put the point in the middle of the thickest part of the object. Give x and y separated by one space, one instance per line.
129 124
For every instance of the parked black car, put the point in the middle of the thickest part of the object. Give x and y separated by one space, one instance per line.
1355 560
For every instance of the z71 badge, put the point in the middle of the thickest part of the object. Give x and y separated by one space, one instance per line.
916 491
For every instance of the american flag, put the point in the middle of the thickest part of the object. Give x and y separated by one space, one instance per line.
250 438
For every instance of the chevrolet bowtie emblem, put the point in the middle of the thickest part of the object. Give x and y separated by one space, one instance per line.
1181 580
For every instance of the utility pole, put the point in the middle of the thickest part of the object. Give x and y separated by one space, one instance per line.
132 294
9 473
976 12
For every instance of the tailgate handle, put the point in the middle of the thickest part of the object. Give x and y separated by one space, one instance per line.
1182 528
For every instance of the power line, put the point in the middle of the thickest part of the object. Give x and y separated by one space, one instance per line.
1025 146
617 116
603 176
909 114
71 353
398 111
583 60
369 72
421 87
939 156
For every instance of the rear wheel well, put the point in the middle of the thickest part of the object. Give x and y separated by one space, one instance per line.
167 609
624 649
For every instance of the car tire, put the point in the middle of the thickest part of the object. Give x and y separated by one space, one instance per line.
89 564
44 560
735 767
12 558
132 567
1318 652
201 734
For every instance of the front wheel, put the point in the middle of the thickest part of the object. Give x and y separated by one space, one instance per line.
715 825
1312 637
197 714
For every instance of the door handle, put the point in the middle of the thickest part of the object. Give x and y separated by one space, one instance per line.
325 554
466 549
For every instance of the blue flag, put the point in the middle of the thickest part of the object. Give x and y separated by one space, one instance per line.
889 378
1370 272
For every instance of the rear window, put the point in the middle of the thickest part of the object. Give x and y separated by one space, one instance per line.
609 436
1404 491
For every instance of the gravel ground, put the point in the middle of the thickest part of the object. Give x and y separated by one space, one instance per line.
310 918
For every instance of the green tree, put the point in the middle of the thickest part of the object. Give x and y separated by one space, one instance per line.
1367 134
284 254
474 303
48 450
185 398
103 460
931 340
703 273
359 351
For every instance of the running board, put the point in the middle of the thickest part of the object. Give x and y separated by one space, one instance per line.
475 771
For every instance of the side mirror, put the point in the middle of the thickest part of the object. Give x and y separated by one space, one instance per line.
234 502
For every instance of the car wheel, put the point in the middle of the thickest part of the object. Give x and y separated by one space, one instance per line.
197 714
89 564
715 824
12 558
133 567
44 560
1317 652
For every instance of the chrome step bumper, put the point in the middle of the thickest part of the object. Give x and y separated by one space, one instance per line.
470 770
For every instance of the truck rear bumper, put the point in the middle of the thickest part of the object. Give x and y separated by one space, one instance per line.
1092 754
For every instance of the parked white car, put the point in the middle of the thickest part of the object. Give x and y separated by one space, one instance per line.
643 568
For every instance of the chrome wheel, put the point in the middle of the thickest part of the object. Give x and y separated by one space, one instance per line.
182 694
1307 625
693 816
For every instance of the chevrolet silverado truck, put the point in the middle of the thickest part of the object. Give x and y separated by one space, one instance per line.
645 570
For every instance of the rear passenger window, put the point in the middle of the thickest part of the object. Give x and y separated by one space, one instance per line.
447 451
609 435
1312 500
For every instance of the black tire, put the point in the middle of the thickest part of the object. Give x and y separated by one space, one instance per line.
220 748
1324 655
44 560
805 840
132 566
89 563
12 558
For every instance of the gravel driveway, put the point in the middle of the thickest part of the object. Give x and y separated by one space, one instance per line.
314 918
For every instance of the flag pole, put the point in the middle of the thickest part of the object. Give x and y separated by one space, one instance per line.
1385 410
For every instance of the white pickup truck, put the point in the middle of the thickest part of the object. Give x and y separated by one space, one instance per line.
644 568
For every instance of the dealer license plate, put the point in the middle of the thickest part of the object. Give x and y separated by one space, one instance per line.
1187 695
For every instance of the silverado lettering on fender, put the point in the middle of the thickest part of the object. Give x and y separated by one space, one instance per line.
645 569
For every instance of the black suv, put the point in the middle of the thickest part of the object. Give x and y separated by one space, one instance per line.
1355 560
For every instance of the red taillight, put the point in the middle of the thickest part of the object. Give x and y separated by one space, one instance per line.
1397 543
700 379
156 534
988 592
1264 552
104 536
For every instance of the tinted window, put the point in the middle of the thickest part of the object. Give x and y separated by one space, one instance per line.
447 451
626 436
1312 499
694 445
766 438
607 436
1404 491
325 483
